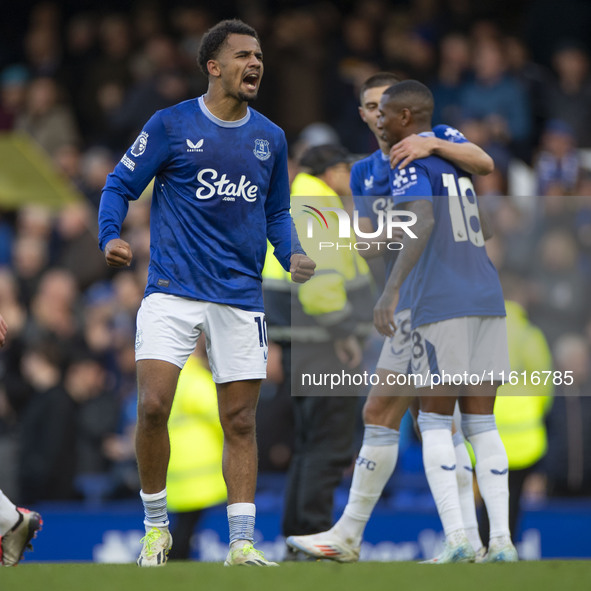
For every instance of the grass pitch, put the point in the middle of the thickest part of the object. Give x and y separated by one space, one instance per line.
321 576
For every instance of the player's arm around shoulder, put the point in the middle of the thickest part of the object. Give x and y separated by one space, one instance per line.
412 147
468 156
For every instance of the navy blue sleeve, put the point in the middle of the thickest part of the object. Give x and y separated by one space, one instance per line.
362 202
449 134
356 182
281 230
363 205
131 176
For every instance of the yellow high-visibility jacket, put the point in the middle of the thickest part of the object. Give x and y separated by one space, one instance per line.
337 301
520 409
194 479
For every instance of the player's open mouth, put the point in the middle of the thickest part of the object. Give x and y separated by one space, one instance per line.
251 81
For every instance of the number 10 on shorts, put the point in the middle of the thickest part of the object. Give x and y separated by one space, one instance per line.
261 322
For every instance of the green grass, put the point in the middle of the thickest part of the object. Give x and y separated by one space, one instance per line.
321 576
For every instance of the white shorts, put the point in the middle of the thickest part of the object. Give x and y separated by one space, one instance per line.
396 350
469 346
168 327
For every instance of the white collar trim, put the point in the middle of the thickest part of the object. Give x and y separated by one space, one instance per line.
221 122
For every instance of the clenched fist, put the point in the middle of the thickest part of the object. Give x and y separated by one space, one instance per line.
118 253
301 268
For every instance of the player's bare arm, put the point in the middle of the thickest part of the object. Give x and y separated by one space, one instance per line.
376 246
409 255
485 223
467 156
301 268
3 331
118 253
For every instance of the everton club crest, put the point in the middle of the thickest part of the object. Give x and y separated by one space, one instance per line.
261 149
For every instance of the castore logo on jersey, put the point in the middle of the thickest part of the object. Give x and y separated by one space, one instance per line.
198 147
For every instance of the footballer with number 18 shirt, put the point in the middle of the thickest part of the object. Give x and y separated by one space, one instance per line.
457 323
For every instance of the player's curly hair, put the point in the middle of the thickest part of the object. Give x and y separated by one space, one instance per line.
216 36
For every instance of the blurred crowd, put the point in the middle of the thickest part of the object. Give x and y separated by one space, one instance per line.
81 79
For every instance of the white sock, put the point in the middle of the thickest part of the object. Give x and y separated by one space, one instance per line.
492 468
439 460
241 518
8 514
155 511
373 468
464 477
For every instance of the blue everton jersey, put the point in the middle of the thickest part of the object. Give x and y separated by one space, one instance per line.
370 186
454 276
371 175
449 134
221 188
